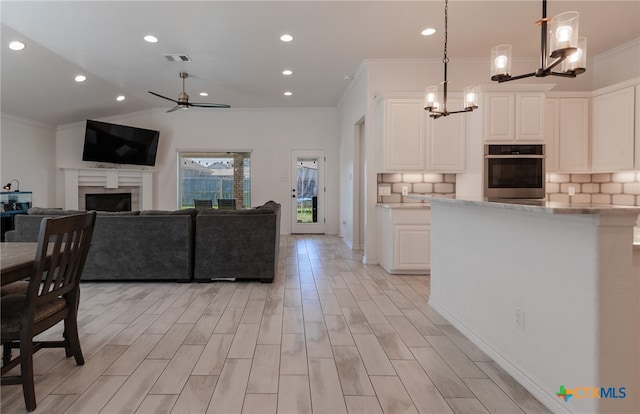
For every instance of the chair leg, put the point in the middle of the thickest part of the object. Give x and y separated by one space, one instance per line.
6 353
26 372
72 340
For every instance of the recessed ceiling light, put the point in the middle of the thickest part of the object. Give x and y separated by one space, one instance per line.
16 45
121 98
286 38
80 78
287 93
204 94
287 72
151 39
428 31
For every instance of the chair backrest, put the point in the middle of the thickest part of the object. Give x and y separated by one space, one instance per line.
203 203
63 245
227 203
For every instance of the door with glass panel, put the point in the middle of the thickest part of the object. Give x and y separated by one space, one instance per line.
307 192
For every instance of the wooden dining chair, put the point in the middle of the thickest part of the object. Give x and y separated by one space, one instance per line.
52 296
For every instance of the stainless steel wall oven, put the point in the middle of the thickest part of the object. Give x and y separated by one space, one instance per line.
514 171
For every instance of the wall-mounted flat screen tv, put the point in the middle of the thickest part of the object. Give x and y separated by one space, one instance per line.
119 144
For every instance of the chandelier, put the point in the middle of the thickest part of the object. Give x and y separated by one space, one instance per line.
431 102
566 48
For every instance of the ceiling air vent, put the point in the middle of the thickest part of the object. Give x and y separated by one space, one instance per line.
176 57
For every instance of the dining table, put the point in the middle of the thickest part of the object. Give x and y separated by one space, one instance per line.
16 260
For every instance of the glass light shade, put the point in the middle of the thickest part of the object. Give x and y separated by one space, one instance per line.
501 60
563 33
577 62
430 97
470 97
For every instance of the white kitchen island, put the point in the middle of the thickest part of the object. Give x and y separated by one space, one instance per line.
550 291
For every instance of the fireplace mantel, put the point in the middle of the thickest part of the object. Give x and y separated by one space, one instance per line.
111 178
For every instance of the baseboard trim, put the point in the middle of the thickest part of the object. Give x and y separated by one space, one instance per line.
531 384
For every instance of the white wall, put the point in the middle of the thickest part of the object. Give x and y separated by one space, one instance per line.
27 153
352 111
617 65
270 134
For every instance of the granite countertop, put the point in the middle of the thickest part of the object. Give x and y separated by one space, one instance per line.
537 206
404 205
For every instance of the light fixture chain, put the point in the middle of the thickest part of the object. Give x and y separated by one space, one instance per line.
446 29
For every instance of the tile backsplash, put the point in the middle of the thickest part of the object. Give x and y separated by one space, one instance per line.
604 188
621 188
443 185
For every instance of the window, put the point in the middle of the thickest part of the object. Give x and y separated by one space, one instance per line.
213 176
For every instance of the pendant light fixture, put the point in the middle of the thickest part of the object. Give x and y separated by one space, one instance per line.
431 102
565 48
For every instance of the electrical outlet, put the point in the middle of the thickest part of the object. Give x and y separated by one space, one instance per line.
405 190
384 191
572 191
518 319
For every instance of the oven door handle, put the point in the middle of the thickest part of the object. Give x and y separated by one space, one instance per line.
513 156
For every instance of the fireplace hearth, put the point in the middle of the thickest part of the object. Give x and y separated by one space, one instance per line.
108 201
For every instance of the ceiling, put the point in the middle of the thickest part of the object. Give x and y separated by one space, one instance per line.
236 53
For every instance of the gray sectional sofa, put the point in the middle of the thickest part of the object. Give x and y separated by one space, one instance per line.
167 245
241 244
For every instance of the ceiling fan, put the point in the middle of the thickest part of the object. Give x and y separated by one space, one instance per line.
183 99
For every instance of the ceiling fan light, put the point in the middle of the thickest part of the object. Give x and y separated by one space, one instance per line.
563 34
500 61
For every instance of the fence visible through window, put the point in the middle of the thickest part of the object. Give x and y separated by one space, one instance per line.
213 176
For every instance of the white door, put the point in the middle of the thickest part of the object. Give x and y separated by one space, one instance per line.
307 191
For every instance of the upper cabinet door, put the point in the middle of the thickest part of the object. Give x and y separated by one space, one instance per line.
613 130
552 135
530 111
401 133
446 141
574 135
514 116
499 116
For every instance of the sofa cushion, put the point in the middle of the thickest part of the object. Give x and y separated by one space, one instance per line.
272 205
118 213
251 211
45 211
182 212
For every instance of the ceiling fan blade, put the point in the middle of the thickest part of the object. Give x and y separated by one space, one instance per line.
163 97
210 105
175 108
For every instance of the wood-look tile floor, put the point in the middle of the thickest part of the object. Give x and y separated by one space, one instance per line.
329 335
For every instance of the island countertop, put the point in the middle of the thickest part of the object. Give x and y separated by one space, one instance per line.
536 206
404 205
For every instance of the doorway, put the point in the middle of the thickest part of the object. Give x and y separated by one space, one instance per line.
359 174
307 192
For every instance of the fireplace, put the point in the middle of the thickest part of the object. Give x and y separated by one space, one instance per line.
108 202
81 181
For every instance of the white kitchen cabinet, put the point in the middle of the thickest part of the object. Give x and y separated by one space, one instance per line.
567 134
613 137
552 135
446 141
637 128
401 134
404 239
514 116
499 116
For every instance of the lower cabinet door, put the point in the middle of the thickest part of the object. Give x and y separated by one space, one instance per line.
412 247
